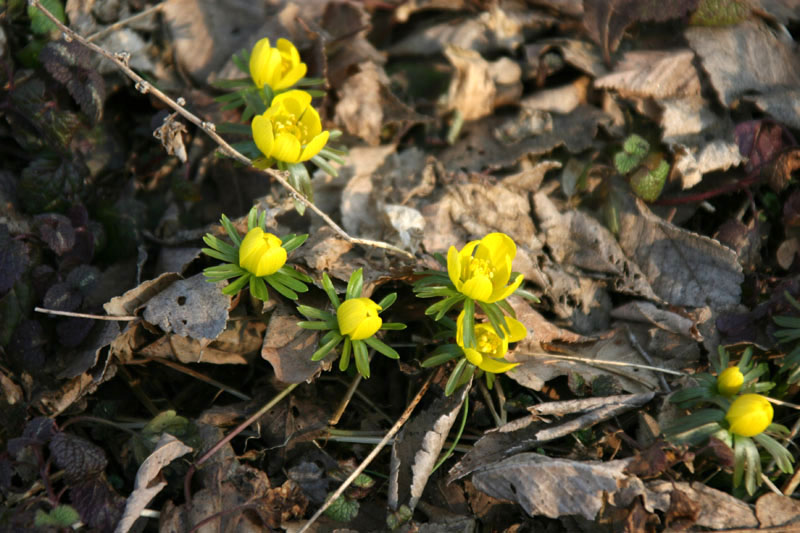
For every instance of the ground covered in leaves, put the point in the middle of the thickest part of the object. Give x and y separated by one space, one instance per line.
640 154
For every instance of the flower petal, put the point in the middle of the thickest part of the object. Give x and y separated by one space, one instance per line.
288 50
286 148
494 366
498 246
292 76
473 356
516 330
478 288
249 250
313 148
302 99
258 61
271 261
367 328
272 68
460 329
454 267
262 134
504 292
310 120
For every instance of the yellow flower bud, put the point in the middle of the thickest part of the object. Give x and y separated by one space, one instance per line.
290 130
358 317
261 253
490 349
730 381
482 269
280 67
749 415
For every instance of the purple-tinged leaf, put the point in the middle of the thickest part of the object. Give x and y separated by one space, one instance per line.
57 231
98 504
13 260
80 459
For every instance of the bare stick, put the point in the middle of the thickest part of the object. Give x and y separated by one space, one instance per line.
120 59
373 454
604 362
638 347
123 318
117 25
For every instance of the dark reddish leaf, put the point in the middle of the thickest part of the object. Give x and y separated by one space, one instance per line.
27 346
98 504
651 462
759 141
57 231
722 452
38 432
79 458
13 260
779 171
63 297
68 63
83 278
791 210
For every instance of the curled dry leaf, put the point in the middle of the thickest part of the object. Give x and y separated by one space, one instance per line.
416 449
655 74
288 348
149 479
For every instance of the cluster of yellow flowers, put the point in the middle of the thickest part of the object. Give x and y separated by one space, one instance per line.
289 131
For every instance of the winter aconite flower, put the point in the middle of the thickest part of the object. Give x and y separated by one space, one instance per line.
278 67
289 131
482 269
490 349
358 318
257 260
261 253
749 415
730 381
355 321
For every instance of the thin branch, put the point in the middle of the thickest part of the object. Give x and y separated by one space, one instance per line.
374 453
120 59
604 362
123 318
124 22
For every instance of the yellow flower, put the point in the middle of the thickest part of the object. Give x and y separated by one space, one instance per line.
358 317
483 275
261 253
489 347
280 67
730 381
290 130
749 415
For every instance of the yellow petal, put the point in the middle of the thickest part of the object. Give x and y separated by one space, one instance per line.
272 68
292 76
504 292
286 148
454 267
730 381
516 330
262 134
749 415
498 246
313 148
288 49
478 288
252 243
258 61
310 120
460 329
473 356
495 367
271 261
367 328
300 101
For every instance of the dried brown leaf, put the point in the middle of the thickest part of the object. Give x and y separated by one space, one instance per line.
655 74
683 268
746 58
288 348
149 479
775 510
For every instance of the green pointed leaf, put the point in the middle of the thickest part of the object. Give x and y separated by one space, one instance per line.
293 243
237 285
396 326
258 288
230 229
313 312
327 286
323 165
233 83
383 348
292 283
783 458
327 346
344 360
355 284
387 301
285 291
361 355
468 323
452 382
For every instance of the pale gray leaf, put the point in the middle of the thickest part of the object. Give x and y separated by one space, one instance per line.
683 268
416 449
191 308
